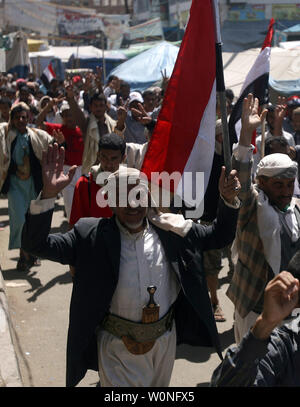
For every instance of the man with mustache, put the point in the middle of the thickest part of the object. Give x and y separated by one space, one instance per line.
139 287
268 230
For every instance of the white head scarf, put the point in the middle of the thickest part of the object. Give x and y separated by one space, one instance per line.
277 165
166 221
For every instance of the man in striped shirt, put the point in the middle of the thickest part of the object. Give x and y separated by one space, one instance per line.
268 230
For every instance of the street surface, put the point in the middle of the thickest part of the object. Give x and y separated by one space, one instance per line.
39 306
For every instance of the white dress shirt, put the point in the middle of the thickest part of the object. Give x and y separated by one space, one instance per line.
142 263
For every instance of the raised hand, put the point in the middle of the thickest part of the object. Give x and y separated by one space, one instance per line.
122 110
229 186
115 84
98 78
165 80
279 115
280 298
251 119
141 115
59 137
49 106
280 107
88 84
70 93
54 179
3 80
54 102
59 99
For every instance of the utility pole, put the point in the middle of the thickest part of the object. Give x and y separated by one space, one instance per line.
126 7
3 15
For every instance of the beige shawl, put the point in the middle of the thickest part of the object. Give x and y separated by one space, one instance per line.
40 140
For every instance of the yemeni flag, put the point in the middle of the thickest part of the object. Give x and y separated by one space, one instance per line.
183 140
47 75
256 82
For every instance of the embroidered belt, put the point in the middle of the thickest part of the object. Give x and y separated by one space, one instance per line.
138 332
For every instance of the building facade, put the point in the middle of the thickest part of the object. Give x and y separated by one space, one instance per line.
101 6
254 10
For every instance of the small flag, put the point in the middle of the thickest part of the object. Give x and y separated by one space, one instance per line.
47 76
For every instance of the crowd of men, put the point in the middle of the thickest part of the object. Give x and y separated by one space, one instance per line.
159 271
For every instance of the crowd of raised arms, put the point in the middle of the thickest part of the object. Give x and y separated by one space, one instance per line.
57 142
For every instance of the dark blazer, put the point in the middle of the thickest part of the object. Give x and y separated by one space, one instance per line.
93 247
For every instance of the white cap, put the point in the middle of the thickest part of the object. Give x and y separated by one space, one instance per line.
277 165
64 106
135 96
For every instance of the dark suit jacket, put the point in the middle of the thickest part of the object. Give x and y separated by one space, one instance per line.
93 247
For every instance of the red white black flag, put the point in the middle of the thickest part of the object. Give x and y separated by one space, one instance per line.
47 75
183 140
256 82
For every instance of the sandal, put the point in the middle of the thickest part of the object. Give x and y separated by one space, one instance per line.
218 313
33 261
37 262
22 264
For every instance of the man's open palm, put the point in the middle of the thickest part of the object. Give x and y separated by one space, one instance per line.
54 179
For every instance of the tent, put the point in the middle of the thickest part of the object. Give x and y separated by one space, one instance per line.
91 57
136 49
295 29
287 37
75 57
35 45
144 70
40 60
290 45
84 52
239 36
285 88
284 70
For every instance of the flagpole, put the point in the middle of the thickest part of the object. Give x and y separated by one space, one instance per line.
221 89
263 135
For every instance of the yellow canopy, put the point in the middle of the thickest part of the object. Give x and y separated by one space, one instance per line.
34 45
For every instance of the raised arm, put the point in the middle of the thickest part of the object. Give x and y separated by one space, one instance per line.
122 112
251 119
280 112
242 152
47 109
261 357
222 231
98 79
36 237
78 115
92 84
